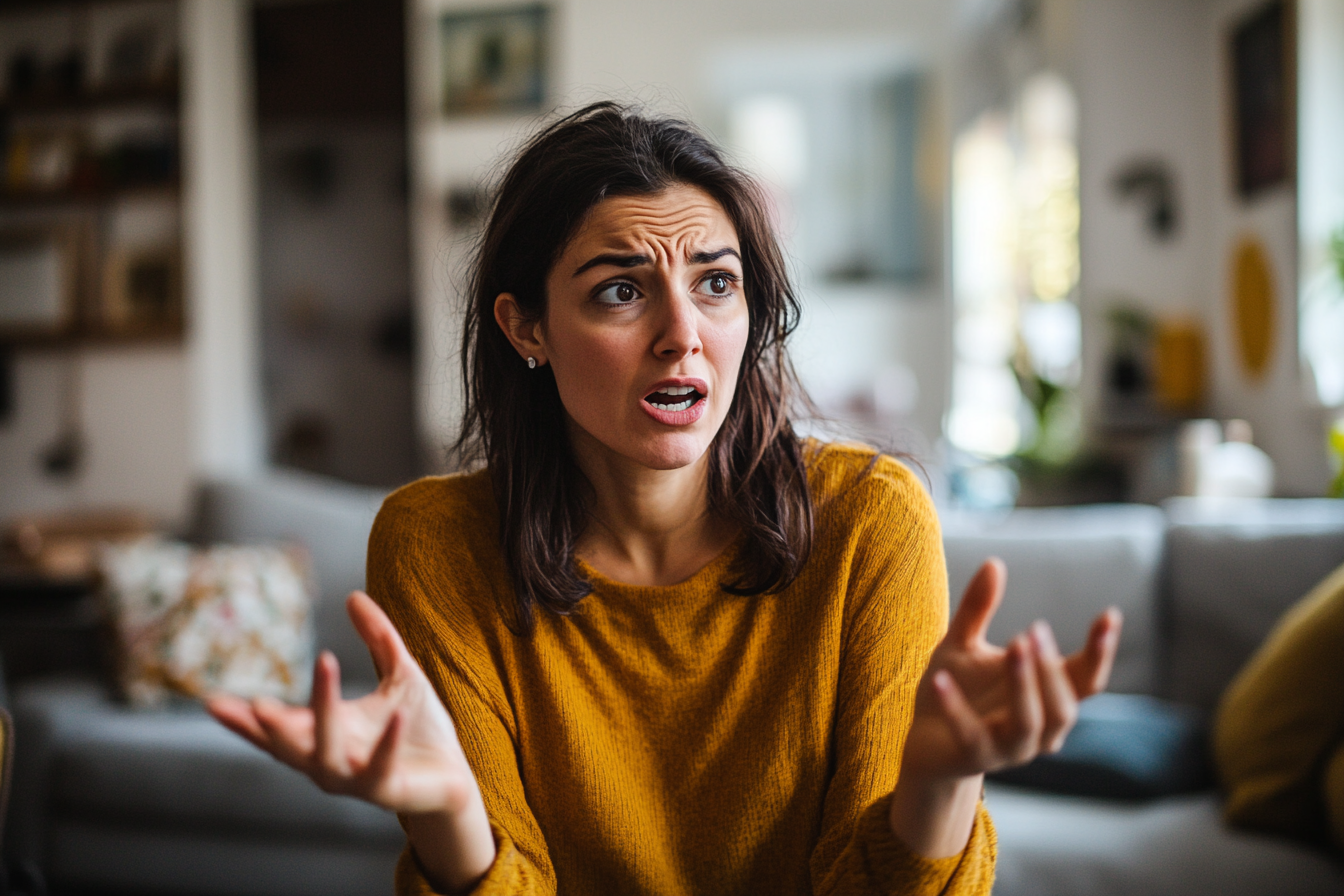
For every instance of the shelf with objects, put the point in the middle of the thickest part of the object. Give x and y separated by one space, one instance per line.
90 198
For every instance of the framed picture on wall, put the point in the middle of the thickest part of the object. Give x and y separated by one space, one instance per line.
42 279
142 292
493 61
1264 77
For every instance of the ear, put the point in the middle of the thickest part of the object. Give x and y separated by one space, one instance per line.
523 332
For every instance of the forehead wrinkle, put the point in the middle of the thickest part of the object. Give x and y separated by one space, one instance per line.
662 236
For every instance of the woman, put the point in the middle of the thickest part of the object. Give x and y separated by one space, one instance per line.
658 643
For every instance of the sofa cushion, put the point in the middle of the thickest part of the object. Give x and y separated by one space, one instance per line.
179 770
1066 565
331 519
1282 717
1124 746
1075 846
193 622
1236 566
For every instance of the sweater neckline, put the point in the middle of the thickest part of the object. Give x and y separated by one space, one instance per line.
707 577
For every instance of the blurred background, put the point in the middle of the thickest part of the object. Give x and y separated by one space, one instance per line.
1033 237
1057 252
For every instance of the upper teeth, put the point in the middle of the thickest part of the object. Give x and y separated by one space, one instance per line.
677 390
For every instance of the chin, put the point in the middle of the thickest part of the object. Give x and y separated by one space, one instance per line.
672 453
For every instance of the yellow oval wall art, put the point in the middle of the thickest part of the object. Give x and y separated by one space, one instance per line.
1253 306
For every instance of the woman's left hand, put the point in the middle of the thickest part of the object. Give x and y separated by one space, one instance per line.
981 708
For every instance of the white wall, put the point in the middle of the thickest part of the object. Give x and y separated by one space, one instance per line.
1145 91
219 192
1153 82
131 405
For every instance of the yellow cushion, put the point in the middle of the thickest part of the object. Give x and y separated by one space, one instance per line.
1334 795
1282 719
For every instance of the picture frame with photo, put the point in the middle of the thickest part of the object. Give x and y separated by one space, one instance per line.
493 61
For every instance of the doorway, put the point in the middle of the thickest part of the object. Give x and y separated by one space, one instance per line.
337 330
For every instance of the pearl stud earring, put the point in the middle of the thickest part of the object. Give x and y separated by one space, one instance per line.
531 363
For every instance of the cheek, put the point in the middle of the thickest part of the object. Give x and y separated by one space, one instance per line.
591 369
725 345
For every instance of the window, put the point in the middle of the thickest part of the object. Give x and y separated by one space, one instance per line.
1321 196
1015 267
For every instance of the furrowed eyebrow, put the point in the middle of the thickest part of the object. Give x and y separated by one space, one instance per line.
634 261
707 257
619 261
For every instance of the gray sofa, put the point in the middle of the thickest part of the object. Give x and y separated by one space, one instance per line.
1201 583
169 802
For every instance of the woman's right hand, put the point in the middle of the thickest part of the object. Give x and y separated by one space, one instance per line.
396 747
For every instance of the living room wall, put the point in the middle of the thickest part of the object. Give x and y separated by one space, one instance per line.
1153 84
1151 78
155 417
132 404
1145 92
1288 423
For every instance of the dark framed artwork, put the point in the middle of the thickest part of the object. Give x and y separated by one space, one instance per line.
493 60
1264 77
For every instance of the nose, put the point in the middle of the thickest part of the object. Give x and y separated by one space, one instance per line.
679 328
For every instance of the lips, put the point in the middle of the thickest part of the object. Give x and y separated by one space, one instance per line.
676 402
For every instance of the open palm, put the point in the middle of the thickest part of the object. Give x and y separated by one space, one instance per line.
980 707
395 747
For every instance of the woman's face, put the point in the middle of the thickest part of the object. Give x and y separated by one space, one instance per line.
646 322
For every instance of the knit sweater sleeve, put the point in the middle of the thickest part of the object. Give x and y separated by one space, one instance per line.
896 613
419 565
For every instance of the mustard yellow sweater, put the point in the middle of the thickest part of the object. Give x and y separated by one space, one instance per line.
680 740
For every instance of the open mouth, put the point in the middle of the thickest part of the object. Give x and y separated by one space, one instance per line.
671 399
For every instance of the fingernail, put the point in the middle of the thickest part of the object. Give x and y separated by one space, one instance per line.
942 679
1044 638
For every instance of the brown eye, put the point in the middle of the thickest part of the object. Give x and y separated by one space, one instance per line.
719 285
617 294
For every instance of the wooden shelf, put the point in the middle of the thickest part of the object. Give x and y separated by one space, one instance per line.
92 337
138 159
45 199
51 102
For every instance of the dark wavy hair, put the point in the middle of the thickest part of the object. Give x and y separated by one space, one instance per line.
514 421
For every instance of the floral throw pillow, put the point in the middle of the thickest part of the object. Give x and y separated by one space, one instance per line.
193 621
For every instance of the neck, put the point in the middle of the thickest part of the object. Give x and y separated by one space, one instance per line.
649 527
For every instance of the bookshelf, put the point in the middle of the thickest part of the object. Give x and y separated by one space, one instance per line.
90 184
